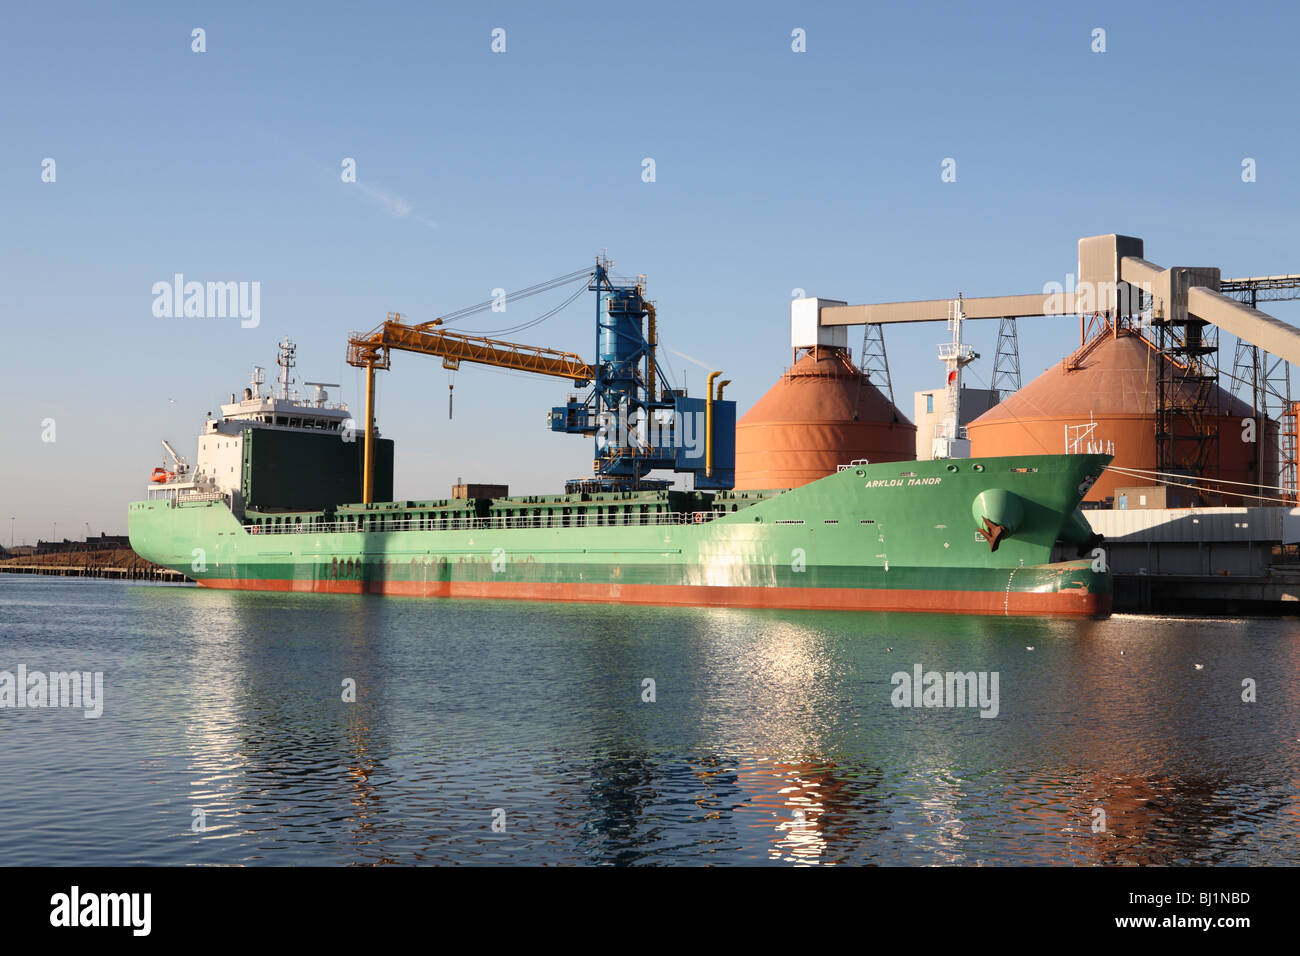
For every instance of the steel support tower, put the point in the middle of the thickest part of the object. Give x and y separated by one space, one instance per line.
1267 376
1006 360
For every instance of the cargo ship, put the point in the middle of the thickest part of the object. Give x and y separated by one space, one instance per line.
288 494
958 535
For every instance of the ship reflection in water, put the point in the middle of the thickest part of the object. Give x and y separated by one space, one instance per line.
486 732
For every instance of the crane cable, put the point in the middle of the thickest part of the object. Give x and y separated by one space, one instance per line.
522 294
525 293
539 320
510 296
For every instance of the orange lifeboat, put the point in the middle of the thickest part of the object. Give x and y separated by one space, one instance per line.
160 475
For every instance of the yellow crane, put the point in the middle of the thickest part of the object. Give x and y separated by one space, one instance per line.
371 351
648 422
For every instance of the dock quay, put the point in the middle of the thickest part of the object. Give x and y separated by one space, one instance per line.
1202 560
102 557
92 571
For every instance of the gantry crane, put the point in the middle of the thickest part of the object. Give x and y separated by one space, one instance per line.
639 422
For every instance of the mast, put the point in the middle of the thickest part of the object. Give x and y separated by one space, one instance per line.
286 362
949 440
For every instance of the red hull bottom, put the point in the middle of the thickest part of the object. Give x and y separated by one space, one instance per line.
1075 602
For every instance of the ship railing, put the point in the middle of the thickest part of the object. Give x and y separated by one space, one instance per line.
202 496
371 523
178 497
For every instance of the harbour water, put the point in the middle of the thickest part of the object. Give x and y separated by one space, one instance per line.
497 732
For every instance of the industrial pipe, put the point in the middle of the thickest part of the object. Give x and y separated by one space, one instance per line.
650 352
721 385
368 469
708 424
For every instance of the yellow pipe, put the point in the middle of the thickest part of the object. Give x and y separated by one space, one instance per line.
650 356
721 385
708 424
368 471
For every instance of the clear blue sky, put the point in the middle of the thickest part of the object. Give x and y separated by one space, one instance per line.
775 170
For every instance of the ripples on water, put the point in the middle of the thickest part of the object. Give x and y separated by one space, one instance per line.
772 739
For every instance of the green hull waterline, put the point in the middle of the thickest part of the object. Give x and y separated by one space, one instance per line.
896 535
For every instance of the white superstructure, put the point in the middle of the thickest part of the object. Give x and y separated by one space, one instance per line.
218 466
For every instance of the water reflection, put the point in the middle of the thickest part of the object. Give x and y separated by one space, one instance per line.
771 739
806 808
264 735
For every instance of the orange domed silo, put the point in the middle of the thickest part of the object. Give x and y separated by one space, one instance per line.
823 413
1116 385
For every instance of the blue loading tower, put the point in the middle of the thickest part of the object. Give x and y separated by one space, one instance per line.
640 424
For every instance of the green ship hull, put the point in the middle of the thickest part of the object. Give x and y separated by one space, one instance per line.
960 536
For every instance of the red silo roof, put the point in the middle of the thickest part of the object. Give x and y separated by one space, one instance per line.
822 413
1116 385
1119 377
